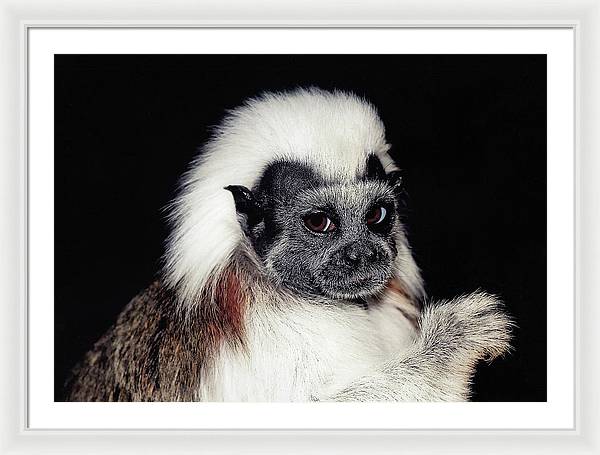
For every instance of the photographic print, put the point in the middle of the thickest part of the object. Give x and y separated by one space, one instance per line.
300 228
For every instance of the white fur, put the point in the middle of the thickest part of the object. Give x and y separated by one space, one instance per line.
298 351
334 132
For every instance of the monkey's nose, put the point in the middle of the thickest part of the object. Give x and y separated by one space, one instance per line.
356 253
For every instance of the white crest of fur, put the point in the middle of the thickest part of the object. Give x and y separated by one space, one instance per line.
334 132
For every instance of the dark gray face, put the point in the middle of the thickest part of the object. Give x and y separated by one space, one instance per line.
323 238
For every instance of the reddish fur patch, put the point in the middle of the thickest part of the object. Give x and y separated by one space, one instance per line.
230 301
404 302
395 285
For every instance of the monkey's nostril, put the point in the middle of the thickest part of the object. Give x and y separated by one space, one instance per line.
352 256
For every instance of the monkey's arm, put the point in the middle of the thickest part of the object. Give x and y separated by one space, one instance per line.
455 336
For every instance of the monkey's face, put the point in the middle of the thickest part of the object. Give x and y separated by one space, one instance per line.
336 240
323 238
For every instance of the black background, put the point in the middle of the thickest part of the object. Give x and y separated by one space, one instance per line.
469 131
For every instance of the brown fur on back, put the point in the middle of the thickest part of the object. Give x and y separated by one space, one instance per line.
154 352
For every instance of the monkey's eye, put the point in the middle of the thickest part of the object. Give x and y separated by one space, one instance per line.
319 222
376 215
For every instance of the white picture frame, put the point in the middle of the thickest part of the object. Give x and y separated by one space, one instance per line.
583 17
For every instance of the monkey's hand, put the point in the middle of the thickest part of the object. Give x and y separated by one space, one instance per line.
455 336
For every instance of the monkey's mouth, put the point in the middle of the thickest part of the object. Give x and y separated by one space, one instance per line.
353 286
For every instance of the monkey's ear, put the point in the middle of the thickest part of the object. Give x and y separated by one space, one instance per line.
395 179
246 204
375 169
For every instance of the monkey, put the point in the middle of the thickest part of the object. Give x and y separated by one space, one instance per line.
288 276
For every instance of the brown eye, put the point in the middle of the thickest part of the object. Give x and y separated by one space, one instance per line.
319 222
376 215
